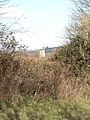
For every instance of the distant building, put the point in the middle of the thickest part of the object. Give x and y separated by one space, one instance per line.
45 52
50 50
41 53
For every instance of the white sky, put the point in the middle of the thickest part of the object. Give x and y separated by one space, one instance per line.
45 20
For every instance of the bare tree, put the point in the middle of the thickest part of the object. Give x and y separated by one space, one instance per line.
8 42
83 5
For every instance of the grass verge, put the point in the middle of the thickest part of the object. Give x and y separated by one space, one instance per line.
45 109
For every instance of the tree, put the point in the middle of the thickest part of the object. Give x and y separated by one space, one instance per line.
79 31
77 51
8 42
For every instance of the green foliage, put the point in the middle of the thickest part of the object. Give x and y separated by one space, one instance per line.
75 54
45 109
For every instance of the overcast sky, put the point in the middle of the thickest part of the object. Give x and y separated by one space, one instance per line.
44 19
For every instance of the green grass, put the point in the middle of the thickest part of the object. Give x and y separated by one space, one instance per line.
45 109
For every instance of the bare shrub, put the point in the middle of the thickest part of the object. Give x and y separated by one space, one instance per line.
21 77
8 76
48 78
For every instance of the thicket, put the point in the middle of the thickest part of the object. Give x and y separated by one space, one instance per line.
21 77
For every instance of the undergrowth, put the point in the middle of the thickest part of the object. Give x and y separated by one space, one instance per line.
45 109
